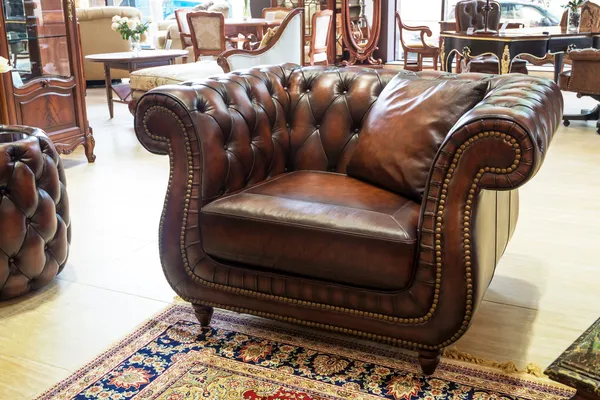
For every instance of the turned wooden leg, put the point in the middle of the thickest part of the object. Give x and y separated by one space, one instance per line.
429 360
203 313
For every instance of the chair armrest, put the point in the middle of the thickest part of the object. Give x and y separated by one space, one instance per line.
497 146
221 135
584 55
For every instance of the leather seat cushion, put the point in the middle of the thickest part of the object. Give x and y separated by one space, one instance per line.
317 225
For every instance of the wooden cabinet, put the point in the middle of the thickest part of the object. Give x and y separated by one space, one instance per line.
46 88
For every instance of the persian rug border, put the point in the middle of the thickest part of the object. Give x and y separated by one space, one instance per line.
453 370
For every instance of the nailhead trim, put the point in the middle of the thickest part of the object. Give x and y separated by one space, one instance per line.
437 245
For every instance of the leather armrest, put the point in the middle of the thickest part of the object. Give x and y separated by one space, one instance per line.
223 133
585 55
497 146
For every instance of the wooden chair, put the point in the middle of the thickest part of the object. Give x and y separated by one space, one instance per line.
316 52
207 33
469 14
184 27
422 48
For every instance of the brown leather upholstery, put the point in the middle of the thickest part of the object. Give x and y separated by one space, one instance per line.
226 135
584 76
418 113
317 225
35 227
469 13
583 79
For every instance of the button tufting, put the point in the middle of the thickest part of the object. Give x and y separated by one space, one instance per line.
307 90
356 130
318 126
345 91
3 191
28 221
11 260
225 147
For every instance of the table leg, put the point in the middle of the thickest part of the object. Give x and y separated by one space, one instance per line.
558 65
109 94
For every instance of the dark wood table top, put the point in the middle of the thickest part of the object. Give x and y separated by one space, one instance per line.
579 365
143 56
522 34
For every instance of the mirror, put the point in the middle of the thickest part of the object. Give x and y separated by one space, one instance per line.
37 39
361 20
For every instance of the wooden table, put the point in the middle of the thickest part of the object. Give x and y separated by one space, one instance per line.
259 26
537 42
129 62
579 365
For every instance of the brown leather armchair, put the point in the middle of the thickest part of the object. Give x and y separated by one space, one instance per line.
583 79
469 14
261 218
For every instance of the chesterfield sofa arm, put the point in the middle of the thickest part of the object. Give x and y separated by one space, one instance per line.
258 205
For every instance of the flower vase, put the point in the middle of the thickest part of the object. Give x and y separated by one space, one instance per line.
135 45
573 21
247 13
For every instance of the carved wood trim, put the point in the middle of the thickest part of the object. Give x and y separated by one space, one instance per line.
358 53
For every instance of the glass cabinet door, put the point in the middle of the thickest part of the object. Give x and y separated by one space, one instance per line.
37 39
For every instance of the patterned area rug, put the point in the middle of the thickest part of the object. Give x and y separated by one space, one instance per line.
247 358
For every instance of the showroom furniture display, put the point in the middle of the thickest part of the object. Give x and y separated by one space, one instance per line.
46 89
361 48
584 79
537 42
35 226
422 49
98 38
316 51
128 61
207 33
285 46
470 14
579 365
294 194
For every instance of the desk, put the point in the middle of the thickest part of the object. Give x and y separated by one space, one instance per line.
506 46
129 62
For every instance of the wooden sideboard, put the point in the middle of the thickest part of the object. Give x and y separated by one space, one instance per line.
46 88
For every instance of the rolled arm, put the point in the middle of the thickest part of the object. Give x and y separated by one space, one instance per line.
499 145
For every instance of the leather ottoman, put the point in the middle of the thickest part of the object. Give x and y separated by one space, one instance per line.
35 227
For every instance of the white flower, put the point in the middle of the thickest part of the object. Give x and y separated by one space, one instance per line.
116 18
132 24
114 26
124 20
4 66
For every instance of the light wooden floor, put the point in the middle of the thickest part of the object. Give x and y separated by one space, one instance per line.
544 294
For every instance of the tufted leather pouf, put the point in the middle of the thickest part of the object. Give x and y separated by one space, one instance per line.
35 227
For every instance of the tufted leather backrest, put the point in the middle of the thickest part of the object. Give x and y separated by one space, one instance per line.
35 225
469 13
255 124
328 109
